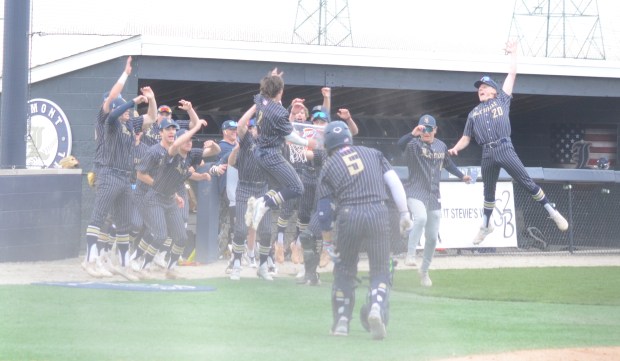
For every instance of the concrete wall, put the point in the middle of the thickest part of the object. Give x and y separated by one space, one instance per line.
39 214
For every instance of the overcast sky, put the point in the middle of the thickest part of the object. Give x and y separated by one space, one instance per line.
446 26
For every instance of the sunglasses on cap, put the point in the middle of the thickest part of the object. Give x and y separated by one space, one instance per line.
319 115
164 109
428 129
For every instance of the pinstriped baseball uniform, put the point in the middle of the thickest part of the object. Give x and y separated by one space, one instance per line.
425 162
163 216
251 184
489 124
353 178
113 185
273 125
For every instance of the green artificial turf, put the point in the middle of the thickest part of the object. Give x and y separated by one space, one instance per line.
465 312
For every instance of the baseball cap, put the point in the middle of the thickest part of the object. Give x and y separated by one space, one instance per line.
486 80
229 124
427 120
164 109
320 116
166 123
319 108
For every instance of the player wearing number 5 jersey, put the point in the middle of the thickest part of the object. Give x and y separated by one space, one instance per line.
354 178
489 124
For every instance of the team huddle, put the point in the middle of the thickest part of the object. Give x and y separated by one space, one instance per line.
342 192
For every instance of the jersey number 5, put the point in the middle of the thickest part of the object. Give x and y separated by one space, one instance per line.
353 162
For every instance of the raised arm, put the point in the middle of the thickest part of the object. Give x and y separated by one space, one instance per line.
151 115
327 99
187 136
117 88
345 115
242 124
511 49
193 116
210 148
232 158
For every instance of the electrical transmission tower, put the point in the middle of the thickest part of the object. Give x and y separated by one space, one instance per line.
323 22
558 28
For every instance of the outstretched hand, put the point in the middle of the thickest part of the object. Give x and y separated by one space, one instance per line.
275 72
511 47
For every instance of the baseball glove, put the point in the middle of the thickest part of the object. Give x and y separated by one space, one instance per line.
69 162
91 177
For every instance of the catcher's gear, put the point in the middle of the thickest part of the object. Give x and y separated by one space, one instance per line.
91 177
406 223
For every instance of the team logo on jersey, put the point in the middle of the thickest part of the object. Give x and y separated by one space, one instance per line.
50 134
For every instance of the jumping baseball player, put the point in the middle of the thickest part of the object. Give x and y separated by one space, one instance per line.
489 124
425 157
251 184
354 178
273 129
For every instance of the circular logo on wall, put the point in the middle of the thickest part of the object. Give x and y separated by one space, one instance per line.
50 134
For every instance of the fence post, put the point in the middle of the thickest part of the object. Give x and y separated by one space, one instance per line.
207 219
571 235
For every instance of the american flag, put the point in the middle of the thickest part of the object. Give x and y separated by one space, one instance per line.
601 137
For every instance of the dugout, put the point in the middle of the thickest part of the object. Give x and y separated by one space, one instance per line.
386 91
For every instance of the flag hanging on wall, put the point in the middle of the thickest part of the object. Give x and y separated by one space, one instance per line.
596 140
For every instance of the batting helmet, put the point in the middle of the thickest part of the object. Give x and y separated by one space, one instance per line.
337 134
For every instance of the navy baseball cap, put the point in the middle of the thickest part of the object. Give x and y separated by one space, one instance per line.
167 123
427 120
229 124
319 108
486 80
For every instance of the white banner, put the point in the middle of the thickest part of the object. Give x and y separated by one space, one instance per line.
462 216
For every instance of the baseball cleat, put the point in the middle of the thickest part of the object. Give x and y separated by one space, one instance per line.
91 269
375 322
410 260
235 274
425 280
560 221
483 233
341 328
263 272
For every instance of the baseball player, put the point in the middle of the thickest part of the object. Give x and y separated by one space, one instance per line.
489 124
114 165
251 184
290 206
425 157
273 129
165 169
354 178
310 236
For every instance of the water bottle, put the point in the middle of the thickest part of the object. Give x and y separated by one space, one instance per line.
474 176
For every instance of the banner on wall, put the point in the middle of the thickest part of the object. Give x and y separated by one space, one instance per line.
462 216
50 134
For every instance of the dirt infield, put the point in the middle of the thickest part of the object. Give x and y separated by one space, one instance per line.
567 354
69 270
